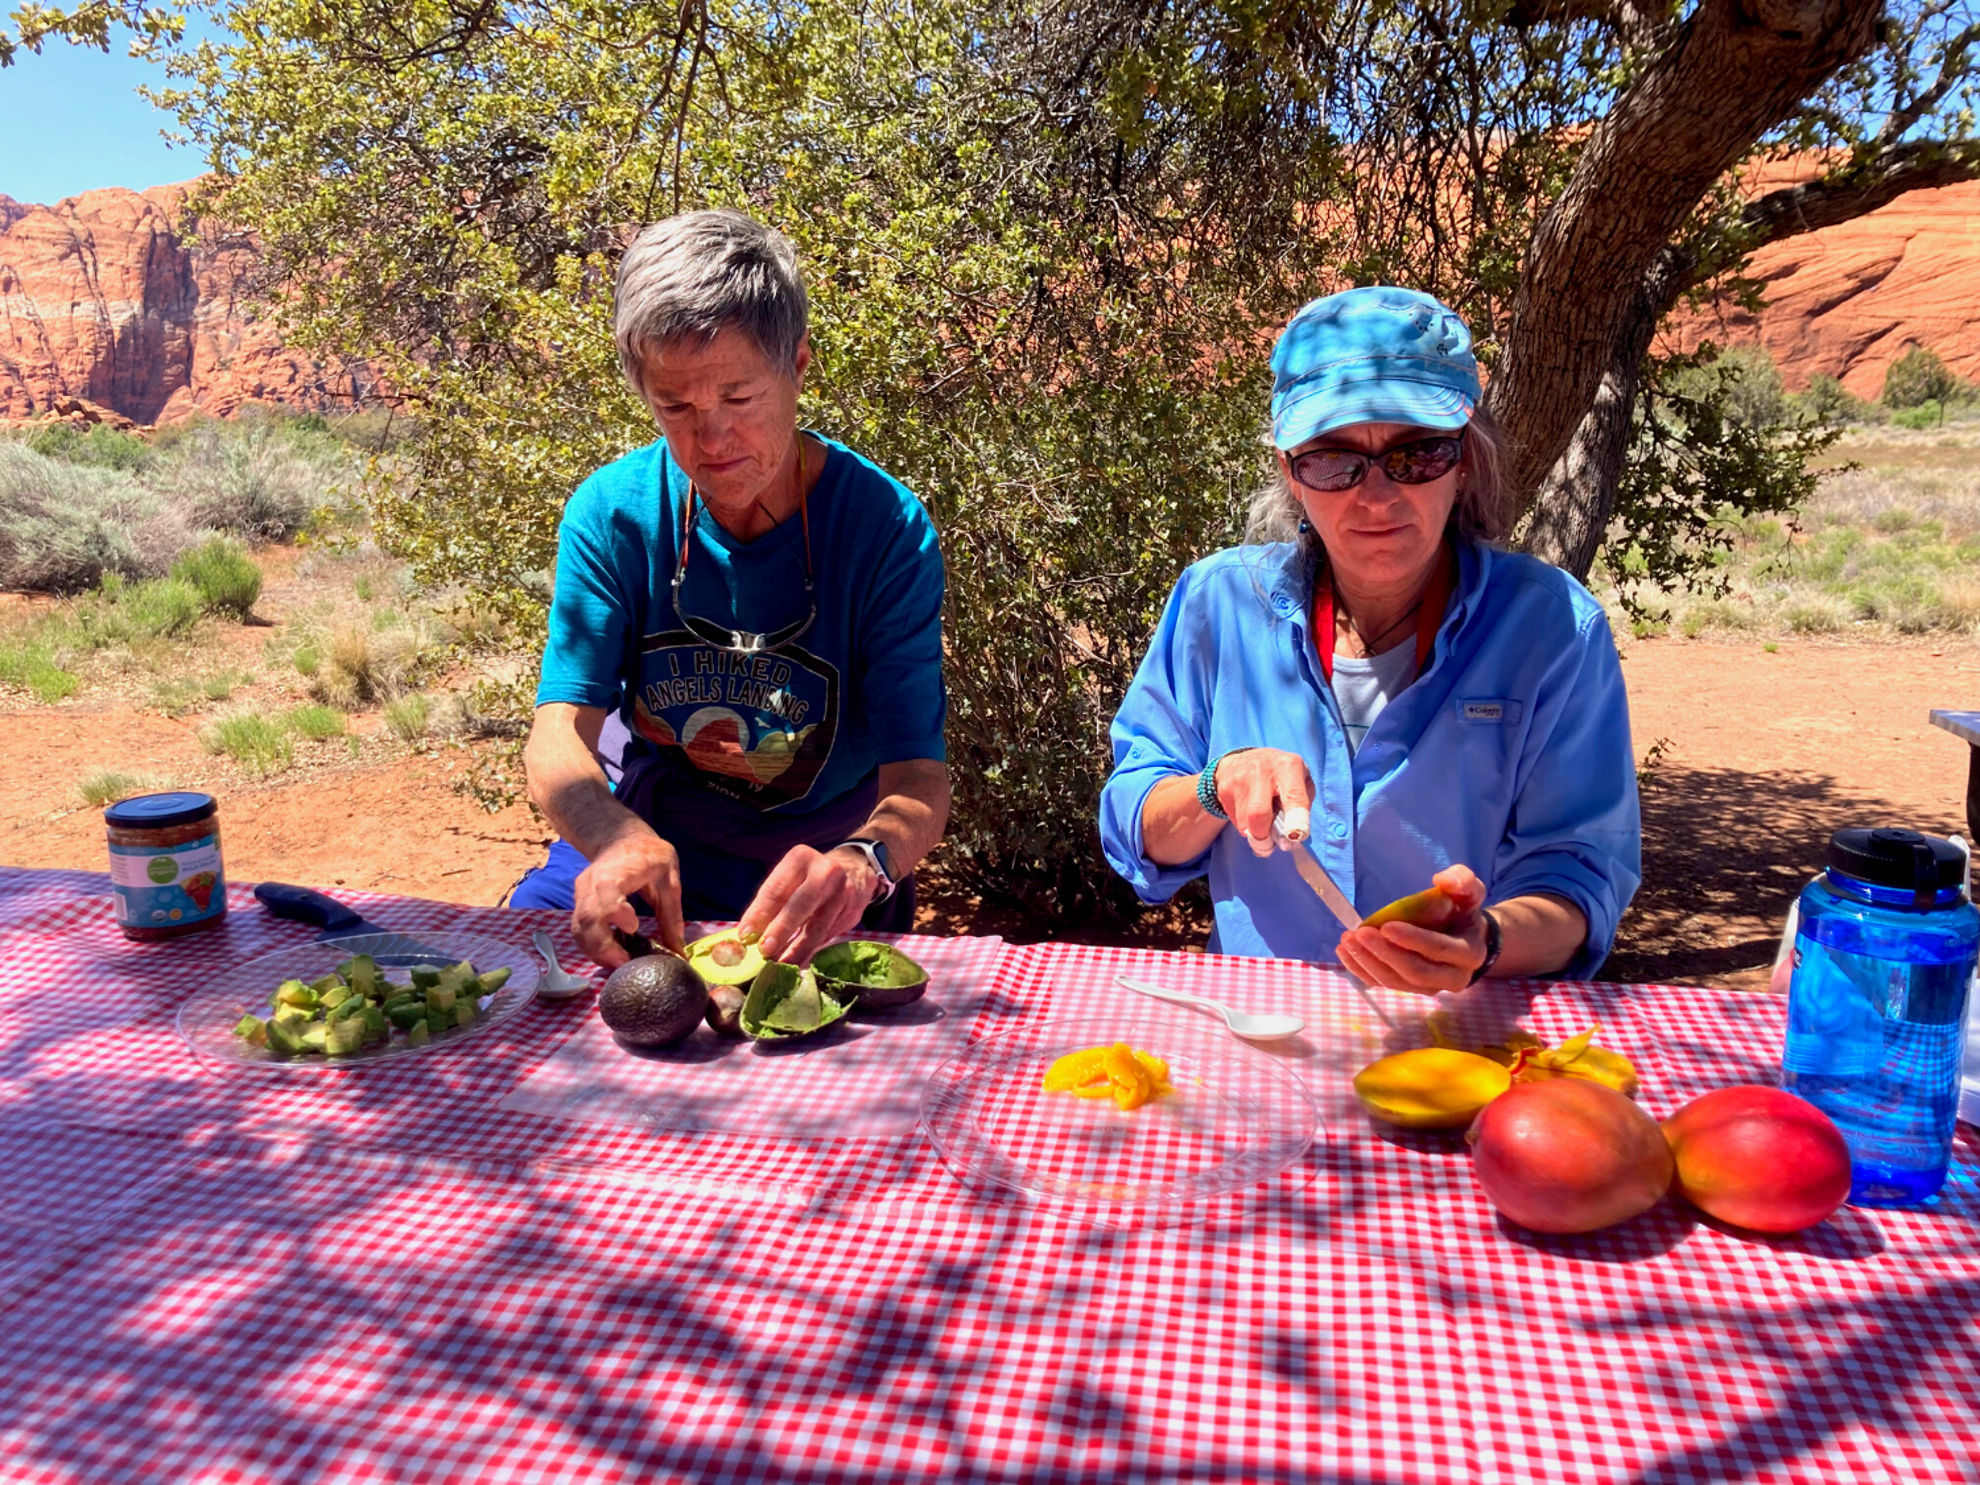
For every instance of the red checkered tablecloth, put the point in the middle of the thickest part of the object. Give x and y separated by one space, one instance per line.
383 1275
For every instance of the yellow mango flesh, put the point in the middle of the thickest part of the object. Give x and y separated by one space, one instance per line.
1119 1072
1430 1087
1430 908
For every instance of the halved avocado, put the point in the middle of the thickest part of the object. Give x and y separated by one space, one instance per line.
724 959
785 1001
879 976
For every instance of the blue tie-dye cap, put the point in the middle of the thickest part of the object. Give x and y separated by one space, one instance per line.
1378 355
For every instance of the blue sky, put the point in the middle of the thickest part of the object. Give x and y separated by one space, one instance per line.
73 121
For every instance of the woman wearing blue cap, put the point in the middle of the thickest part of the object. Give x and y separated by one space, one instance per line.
1446 711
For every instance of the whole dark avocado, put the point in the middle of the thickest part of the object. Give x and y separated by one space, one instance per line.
653 1001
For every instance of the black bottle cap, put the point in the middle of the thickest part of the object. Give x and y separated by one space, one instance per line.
1923 865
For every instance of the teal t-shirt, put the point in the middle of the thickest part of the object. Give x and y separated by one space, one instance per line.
791 730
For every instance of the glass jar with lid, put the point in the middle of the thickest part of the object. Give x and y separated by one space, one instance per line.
165 871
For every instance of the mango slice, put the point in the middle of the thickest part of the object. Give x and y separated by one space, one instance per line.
1119 1072
1430 908
1430 1087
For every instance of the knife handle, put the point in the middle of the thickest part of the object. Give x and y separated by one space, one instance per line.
301 905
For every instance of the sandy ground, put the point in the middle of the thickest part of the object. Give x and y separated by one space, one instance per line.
1761 756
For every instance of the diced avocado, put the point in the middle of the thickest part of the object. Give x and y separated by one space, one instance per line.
345 1010
441 998
423 975
418 1036
489 981
407 1015
285 1038
465 1011
439 1021
336 995
296 993
299 1015
343 1037
398 998
324 983
363 973
314 1034
252 1030
376 1027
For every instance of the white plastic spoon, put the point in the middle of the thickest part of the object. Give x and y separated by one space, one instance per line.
1269 1028
557 983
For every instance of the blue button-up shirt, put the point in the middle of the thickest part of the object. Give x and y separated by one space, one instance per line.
1510 752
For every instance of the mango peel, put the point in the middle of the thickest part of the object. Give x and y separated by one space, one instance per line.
1118 1072
1531 1060
1430 1087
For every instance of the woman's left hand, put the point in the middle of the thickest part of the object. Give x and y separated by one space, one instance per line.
1403 956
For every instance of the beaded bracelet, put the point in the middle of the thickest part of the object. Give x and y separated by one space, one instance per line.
1206 785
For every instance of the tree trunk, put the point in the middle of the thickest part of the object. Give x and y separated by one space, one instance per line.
1572 507
1725 76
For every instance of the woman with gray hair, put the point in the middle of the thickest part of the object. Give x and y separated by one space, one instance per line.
1441 711
740 714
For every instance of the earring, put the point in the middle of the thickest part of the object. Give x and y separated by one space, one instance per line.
1305 526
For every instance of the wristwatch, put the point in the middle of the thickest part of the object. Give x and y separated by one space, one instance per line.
875 852
1493 943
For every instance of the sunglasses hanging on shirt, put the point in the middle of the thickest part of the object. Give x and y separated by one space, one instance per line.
742 641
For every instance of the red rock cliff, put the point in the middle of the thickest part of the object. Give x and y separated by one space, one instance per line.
102 298
1848 301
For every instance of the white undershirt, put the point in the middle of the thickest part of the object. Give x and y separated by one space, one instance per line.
1364 686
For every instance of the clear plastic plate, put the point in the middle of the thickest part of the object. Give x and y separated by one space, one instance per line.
207 1019
1238 1116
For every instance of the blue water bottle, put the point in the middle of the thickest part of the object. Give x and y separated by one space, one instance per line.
1883 954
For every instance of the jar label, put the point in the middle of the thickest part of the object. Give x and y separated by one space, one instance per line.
158 886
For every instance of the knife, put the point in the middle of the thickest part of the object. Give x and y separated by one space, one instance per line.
337 921
1323 885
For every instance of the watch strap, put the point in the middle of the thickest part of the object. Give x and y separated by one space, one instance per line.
875 852
1494 942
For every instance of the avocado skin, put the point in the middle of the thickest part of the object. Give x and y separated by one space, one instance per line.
653 1001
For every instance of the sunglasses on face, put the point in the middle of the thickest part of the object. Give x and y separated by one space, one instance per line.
1414 463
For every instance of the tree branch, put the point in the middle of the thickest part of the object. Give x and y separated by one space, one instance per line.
1853 190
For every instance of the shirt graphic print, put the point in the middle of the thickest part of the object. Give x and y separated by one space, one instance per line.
758 728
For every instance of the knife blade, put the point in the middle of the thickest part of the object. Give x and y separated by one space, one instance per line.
1316 877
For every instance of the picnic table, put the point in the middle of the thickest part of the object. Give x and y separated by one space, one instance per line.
397 1273
1966 727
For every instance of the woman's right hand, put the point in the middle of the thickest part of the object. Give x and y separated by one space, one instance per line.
1255 785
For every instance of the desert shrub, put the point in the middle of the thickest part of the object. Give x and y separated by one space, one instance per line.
316 722
64 526
1827 400
1753 395
32 665
407 717
1927 414
177 695
259 744
249 479
107 786
100 446
361 666
1918 377
226 577
156 609
1815 616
